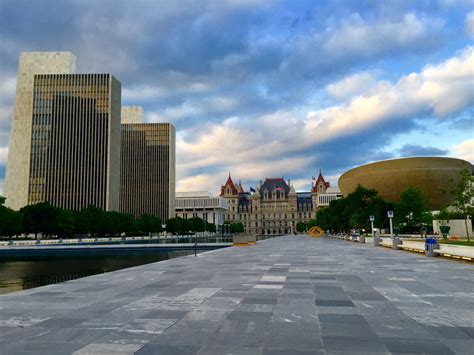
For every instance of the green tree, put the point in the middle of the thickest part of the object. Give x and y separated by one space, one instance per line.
210 227
412 210
313 222
39 218
149 224
90 220
174 225
463 193
196 224
126 222
185 227
237 227
301 227
66 220
10 220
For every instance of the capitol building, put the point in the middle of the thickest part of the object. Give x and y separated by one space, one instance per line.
274 207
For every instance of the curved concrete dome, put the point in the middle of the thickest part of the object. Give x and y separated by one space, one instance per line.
391 177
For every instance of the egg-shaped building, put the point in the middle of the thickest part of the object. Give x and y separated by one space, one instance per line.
391 177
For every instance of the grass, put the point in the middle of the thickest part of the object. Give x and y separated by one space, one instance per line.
457 242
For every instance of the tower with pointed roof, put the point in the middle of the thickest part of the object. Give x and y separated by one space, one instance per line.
229 189
274 207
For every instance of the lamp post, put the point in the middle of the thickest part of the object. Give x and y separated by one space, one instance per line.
390 217
372 219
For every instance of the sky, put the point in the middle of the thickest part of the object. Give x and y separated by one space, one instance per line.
268 88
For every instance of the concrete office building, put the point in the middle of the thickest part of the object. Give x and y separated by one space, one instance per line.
19 155
75 161
148 169
201 204
132 114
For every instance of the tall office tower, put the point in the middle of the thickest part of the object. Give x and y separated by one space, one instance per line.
75 141
132 114
18 167
148 169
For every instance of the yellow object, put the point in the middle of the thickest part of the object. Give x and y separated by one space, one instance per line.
316 232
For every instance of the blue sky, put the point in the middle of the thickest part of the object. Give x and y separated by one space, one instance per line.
268 88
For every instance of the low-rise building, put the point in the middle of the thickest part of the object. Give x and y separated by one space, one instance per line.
201 204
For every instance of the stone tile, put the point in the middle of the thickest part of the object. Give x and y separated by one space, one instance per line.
343 318
219 350
295 336
358 330
291 352
60 322
273 278
164 314
269 287
282 296
158 349
259 300
249 316
68 335
43 348
108 349
353 344
333 303
206 315
416 346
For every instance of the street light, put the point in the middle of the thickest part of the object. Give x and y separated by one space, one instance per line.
390 217
372 219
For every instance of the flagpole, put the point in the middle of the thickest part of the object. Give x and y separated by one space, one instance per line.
274 209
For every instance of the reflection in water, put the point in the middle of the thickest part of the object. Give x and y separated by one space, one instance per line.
29 272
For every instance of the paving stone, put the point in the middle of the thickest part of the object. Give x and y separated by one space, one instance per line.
353 344
108 349
164 314
333 303
416 346
158 349
289 295
220 350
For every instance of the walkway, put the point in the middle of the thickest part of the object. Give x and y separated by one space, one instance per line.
290 295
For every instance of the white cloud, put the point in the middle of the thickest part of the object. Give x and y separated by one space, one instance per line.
3 155
469 24
171 83
351 85
464 150
356 35
439 89
190 108
7 88
270 145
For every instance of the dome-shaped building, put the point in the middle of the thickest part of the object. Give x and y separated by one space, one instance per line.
391 177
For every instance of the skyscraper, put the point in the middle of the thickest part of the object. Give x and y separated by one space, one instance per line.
148 169
66 144
75 140
18 168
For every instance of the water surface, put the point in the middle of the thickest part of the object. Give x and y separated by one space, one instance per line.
33 271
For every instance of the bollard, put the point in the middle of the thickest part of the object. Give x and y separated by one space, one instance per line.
430 245
396 242
377 238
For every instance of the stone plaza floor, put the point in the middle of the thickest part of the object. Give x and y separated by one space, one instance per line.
289 295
